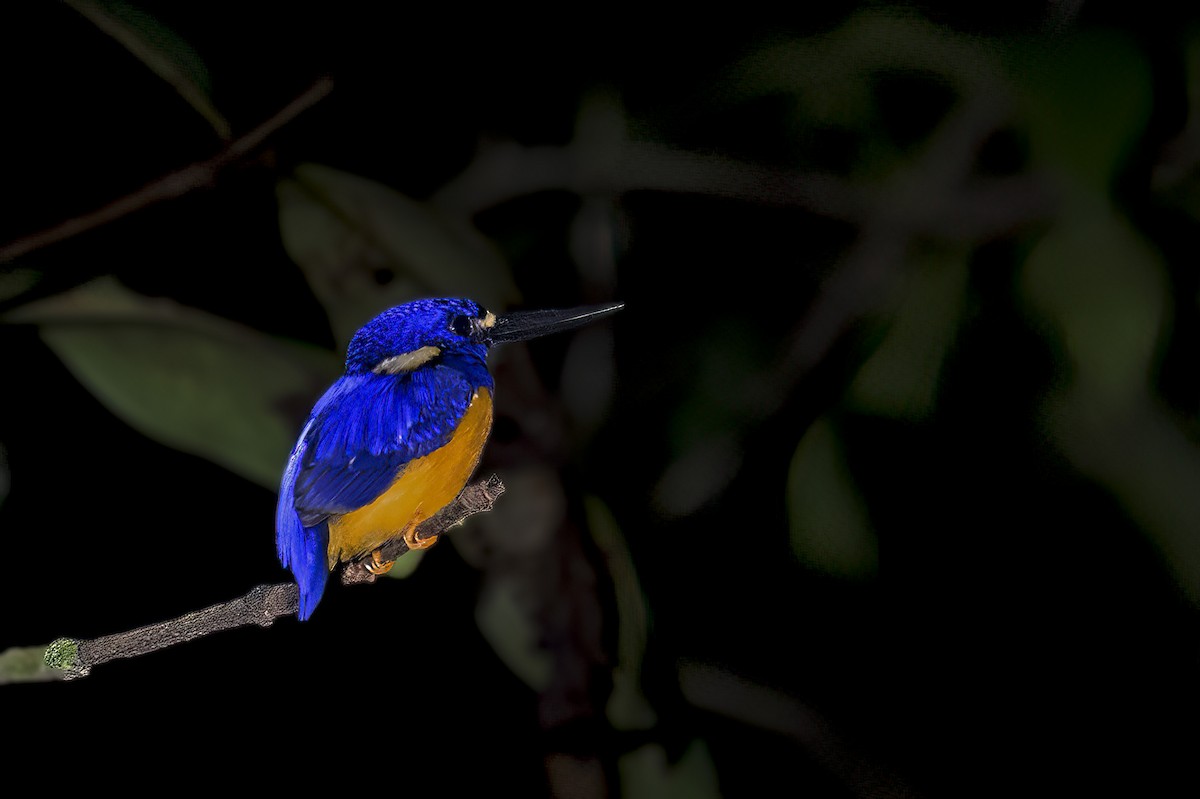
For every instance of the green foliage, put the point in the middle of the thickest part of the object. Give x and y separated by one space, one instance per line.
1101 291
627 708
834 77
505 622
365 247
901 377
1104 293
15 282
829 527
1086 102
646 774
514 546
193 381
162 50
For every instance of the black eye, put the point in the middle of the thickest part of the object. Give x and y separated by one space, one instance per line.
483 312
461 325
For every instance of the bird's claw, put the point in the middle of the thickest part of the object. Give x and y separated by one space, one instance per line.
410 538
377 565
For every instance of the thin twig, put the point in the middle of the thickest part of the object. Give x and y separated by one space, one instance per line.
982 209
505 171
170 186
261 606
914 204
926 199
718 691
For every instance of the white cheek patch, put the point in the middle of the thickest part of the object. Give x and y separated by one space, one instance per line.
406 361
488 321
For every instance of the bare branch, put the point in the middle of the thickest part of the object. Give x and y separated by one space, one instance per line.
718 691
505 171
173 185
261 606
935 198
938 195
915 203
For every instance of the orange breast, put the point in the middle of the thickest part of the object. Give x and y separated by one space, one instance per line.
425 486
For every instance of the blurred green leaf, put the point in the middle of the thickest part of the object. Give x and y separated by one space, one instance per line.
15 282
26 664
365 247
646 774
513 633
588 380
698 475
902 377
524 524
406 565
731 356
196 382
727 365
507 544
627 707
1088 100
1103 290
834 77
160 49
1101 293
829 527
1140 454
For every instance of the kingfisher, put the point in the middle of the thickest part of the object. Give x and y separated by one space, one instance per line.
397 436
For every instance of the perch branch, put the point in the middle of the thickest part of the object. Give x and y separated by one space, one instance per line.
477 498
261 606
170 186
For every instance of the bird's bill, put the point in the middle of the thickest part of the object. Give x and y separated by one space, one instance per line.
524 325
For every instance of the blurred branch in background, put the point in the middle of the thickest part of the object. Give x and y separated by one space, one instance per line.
717 691
172 186
938 196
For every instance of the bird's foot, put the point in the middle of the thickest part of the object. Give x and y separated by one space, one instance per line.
377 565
410 538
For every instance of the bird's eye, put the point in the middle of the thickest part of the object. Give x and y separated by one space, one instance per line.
461 325
483 312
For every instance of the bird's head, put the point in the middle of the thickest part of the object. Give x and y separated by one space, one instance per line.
408 336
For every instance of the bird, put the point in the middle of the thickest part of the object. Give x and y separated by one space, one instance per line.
397 436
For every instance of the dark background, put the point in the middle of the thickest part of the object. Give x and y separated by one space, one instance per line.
884 482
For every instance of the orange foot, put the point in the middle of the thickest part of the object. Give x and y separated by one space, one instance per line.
377 565
410 538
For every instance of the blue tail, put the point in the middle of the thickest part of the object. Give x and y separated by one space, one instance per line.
301 549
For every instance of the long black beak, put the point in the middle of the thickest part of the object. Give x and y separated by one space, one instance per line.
523 325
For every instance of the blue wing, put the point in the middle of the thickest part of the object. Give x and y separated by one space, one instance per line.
366 428
357 441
